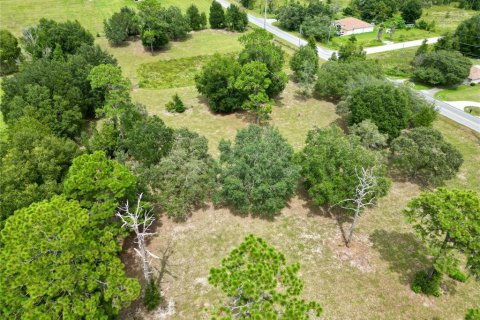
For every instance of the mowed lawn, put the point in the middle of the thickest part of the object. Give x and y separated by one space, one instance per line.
16 15
446 17
460 93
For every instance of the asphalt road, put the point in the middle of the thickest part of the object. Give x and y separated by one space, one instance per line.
444 108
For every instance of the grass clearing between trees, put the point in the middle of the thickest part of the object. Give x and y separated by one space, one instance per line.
460 93
396 63
446 17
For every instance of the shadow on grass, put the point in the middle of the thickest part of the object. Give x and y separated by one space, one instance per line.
403 251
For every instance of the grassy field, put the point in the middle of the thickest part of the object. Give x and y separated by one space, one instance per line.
15 15
460 93
369 281
396 63
446 17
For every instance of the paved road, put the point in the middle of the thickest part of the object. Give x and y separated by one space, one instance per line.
444 109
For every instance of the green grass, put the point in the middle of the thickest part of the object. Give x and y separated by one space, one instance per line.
446 17
460 93
473 110
16 15
396 63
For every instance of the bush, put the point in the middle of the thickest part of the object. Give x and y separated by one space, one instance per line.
236 19
422 284
369 135
257 172
422 154
291 16
152 296
10 53
121 25
176 105
197 21
467 36
217 16
441 68
473 314
318 27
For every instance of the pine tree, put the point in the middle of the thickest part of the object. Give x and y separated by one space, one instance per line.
217 16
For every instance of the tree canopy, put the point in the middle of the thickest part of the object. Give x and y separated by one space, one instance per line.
330 162
51 266
257 173
10 52
467 35
236 19
254 271
121 25
217 16
424 155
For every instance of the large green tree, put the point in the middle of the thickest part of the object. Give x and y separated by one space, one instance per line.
291 16
121 25
99 184
441 67
41 40
33 167
183 179
448 222
411 10
330 163
217 16
259 284
10 53
257 172
236 19
304 64
467 36
197 21
51 266
318 27
422 154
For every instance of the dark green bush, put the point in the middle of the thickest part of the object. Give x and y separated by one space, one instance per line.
176 105
152 297
422 284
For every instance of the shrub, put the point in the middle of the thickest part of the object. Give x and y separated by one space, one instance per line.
10 52
197 21
429 286
318 27
467 36
236 19
121 25
369 135
257 172
473 314
291 16
217 16
441 68
152 296
422 154
176 105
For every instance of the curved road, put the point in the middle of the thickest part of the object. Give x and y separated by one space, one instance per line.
444 108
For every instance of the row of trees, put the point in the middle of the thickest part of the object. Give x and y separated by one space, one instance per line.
249 81
234 19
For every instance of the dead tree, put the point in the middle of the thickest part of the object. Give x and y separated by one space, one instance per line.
364 197
140 222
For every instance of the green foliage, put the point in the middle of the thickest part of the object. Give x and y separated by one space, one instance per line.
378 10
369 135
304 63
152 296
217 16
249 4
351 50
422 283
469 4
196 20
106 139
178 24
148 140
99 185
467 36
10 53
290 17
257 172
236 19
411 10
121 25
183 179
330 161
40 40
473 314
33 167
176 105
216 82
441 68
253 82
423 155
334 76
386 104
318 27
254 271
52 267
439 218
422 49
258 46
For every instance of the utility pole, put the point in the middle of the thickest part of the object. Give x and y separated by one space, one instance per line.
265 16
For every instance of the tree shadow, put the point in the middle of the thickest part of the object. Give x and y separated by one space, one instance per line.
403 252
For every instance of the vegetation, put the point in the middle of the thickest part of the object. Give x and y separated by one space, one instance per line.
441 68
330 161
369 135
121 25
71 279
176 105
304 65
217 16
257 173
255 270
411 11
467 36
460 93
10 53
198 21
236 19
422 154
439 220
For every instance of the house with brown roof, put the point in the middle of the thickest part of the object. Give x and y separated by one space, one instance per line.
474 76
350 25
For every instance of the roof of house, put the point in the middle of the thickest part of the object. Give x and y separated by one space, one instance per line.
351 23
474 73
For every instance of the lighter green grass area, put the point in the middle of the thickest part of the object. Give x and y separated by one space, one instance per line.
446 17
16 15
460 93
473 110
396 63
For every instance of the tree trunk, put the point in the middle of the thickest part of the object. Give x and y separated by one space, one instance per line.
444 245
143 253
350 235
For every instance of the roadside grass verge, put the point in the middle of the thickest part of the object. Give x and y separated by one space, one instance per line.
446 17
473 110
460 93
396 63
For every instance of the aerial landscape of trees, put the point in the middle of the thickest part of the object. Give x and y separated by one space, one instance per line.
100 177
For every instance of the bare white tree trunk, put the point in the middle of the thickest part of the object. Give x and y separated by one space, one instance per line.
364 197
140 222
